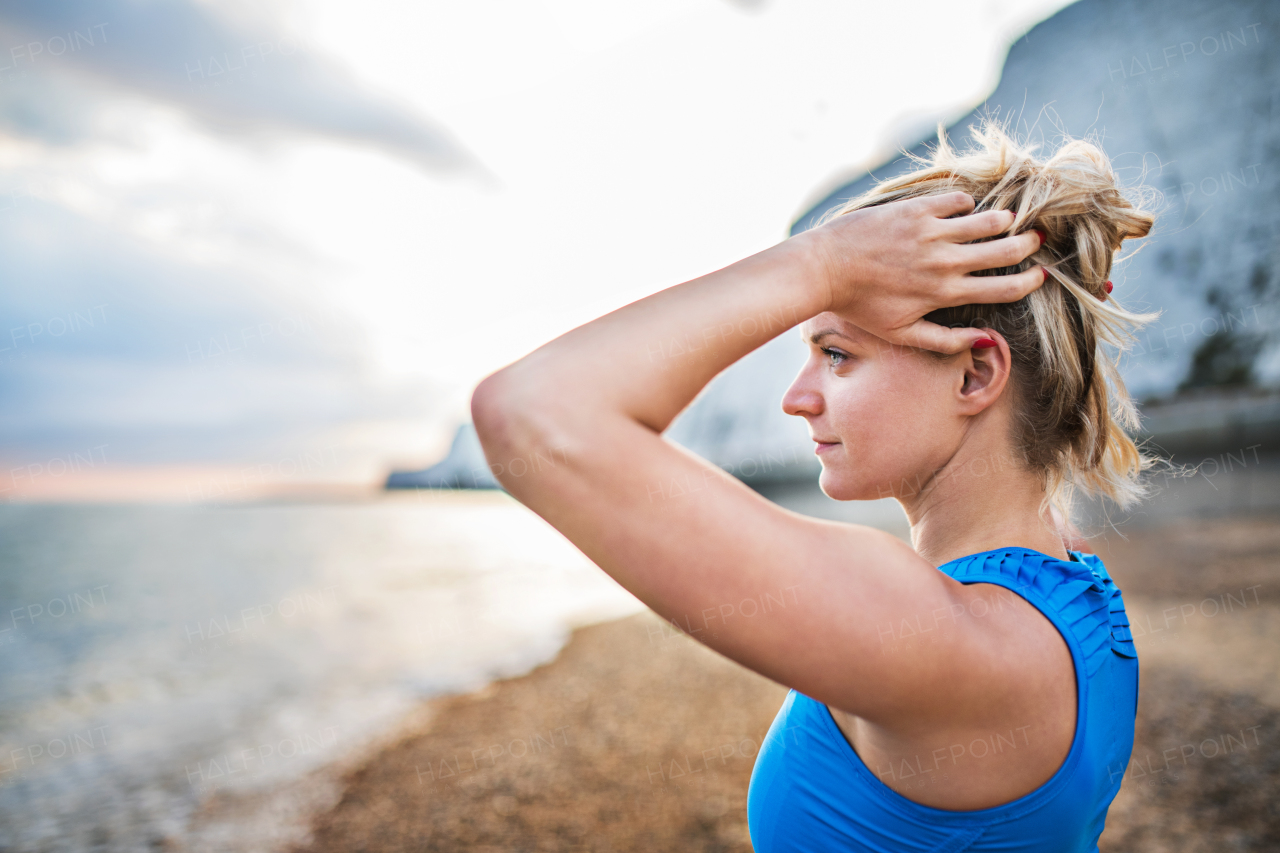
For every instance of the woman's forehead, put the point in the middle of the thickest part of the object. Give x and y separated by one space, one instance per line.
827 323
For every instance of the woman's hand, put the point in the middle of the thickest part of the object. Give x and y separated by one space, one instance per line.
887 266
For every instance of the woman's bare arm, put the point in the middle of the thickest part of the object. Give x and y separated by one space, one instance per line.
573 430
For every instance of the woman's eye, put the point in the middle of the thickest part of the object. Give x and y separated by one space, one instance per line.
835 356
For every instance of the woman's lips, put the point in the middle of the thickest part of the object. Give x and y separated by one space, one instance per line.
824 446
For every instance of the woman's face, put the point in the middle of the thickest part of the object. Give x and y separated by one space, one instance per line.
884 418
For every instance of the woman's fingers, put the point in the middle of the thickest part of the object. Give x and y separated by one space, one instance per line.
975 226
925 335
988 289
1005 252
948 204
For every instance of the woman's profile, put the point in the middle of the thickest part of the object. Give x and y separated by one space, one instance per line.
976 689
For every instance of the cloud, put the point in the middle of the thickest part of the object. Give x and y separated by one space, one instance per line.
59 61
105 339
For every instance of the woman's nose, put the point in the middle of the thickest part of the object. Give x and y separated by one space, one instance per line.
802 398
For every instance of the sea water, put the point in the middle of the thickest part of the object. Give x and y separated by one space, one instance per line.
154 659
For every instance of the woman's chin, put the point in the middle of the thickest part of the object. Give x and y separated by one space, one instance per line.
836 488
846 488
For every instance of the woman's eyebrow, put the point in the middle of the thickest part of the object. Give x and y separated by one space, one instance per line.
817 337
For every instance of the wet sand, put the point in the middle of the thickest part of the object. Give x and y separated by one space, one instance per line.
638 738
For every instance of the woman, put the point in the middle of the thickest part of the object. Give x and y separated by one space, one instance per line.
977 689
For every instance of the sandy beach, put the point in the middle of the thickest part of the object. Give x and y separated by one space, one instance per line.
637 738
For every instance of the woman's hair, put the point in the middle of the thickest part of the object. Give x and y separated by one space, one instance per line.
1071 405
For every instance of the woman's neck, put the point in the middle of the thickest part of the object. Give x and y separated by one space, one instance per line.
982 499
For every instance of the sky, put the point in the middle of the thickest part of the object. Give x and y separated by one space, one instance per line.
247 247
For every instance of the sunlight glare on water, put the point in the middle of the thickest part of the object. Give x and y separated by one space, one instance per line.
152 657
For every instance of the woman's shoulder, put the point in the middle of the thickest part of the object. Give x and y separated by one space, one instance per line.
1077 595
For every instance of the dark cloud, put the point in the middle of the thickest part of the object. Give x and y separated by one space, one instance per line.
59 61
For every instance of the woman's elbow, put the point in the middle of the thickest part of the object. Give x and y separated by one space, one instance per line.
492 405
516 419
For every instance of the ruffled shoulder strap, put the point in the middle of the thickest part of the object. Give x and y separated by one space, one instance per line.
1080 591
1121 638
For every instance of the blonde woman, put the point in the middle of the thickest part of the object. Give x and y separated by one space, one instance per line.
975 690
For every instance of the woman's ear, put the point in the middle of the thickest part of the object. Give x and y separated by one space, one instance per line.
986 372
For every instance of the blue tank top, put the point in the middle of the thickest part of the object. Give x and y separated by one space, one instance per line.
810 791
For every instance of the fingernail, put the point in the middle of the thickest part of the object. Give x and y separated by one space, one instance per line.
1039 234
1045 272
983 343
1109 287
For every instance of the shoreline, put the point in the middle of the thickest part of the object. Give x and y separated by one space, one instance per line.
636 737
604 737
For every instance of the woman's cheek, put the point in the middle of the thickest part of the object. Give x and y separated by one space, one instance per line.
879 454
